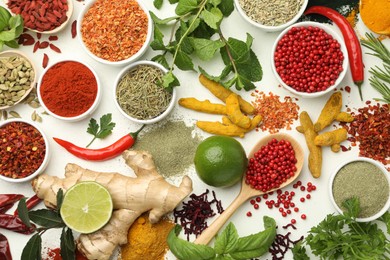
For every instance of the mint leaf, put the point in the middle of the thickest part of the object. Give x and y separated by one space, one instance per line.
158 3
226 7
212 18
225 72
215 3
183 61
158 43
23 212
46 218
186 6
185 250
157 20
32 249
161 59
204 48
238 49
226 241
169 81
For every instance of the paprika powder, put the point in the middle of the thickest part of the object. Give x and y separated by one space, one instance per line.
68 88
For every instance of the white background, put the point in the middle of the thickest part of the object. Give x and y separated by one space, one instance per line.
316 208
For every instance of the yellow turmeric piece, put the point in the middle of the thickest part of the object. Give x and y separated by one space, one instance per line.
202 106
315 152
332 137
218 128
222 93
254 123
375 15
329 112
344 117
335 148
147 241
234 113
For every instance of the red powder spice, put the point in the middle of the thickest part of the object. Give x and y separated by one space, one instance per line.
68 88
276 114
22 150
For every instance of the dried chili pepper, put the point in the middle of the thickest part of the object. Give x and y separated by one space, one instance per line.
5 252
8 200
101 154
14 223
30 203
352 42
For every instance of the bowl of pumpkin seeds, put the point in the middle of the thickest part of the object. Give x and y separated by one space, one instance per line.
17 78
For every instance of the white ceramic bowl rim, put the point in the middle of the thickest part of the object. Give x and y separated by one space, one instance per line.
47 152
270 27
146 121
363 159
132 58
328 30
86 113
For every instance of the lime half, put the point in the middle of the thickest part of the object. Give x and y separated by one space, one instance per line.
87 207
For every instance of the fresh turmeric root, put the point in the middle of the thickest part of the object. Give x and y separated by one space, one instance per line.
332 138
234 113
131 197
202 106
254 123
328 114
344 117
217 128
315 152
222 93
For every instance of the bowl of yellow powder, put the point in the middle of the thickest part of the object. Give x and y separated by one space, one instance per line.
365 179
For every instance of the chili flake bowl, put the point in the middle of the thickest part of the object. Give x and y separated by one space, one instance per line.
150 120
18 145
373 164
63 93
268 28
303 61
101 43
31 78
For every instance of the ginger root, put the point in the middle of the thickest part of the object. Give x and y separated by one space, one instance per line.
149 191
202 106
234 113
330 138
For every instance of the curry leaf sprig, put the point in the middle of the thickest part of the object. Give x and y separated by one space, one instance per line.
342 236
100 131
380 77
228 245
196 32
11 27
46 219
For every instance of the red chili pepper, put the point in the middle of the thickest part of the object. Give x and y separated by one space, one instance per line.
5 252
30 203
101 154
352 42
8 200
14 223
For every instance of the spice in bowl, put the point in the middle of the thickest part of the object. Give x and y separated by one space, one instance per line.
22 150
366 180
139 93
68 90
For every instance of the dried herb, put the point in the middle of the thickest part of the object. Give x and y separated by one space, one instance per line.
100 131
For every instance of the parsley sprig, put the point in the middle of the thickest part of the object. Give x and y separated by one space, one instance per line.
196 32
100 131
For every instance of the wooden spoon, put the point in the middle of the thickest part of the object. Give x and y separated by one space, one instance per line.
247 192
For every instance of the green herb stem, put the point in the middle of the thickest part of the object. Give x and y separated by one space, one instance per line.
228 51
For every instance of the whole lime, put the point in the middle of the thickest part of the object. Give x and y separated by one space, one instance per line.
220 161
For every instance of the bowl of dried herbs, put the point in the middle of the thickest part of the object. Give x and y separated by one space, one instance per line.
139 94
271 15
364 179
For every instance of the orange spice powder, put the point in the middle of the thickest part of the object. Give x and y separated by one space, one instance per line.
114 30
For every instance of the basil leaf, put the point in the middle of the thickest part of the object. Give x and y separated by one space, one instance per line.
185 250
173 1
67 245
5 15
8 35
12 44
183 61
226 7
223 257
16 22
212 18
227 240
32 249
158 3
204 48
23 212
46 218
186 6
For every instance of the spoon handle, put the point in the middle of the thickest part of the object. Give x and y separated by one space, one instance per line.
210 232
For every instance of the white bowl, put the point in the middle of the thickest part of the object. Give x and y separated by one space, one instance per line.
363 159
129 60
74 118
343 48
145 121
45 160
269 28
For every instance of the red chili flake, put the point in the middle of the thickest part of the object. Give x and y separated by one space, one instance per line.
53 37
44 45
348 89
36 46
22 150
45 60
54 48
73 29
344 149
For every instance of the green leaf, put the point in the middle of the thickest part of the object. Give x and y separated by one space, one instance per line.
8 35
225 72
353 207
204 48
186 6
226 7
158 3
251 68
158 42
386 219
16 22
238 49
23 212
159 21
183 61
169 81
215 3
212 18
299 252
60 198
226 241
12 44
161 59
106 126
185 250
203 31
68 246
93 127
32 249
46 218
5 15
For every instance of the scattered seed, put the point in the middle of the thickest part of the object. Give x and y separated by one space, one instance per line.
14 114
45 60
5 114
53 37
34 116
73 29
36 46
55 48
44 45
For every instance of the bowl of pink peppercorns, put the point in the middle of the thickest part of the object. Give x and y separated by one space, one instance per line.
309 59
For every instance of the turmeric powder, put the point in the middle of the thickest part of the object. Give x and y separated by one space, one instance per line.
222 93
375 15
202 106
234 113
329 112
330 138
147 241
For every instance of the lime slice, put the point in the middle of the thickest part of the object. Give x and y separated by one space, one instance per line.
87 207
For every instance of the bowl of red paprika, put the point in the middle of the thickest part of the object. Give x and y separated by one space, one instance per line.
69 90
115 32
309 59
24 150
